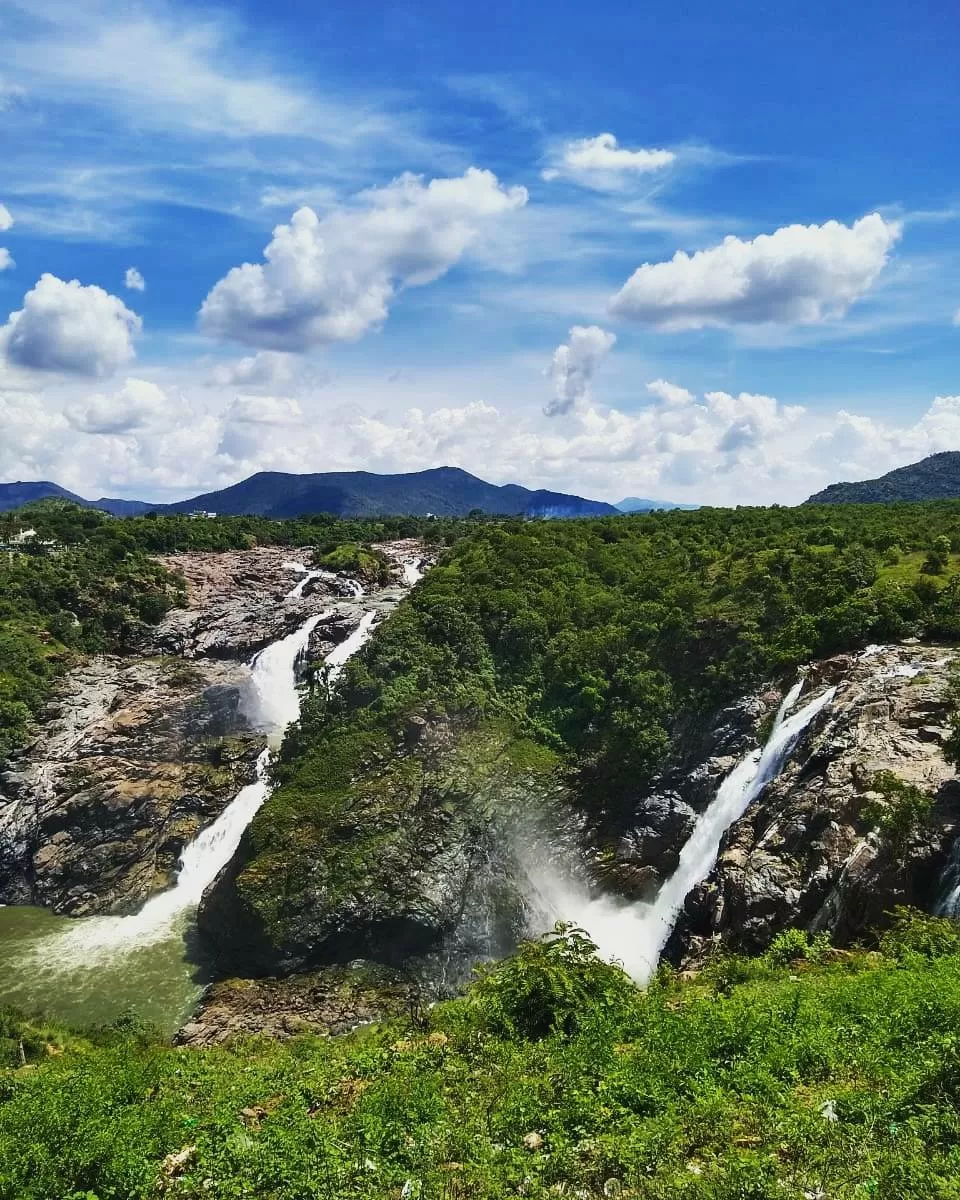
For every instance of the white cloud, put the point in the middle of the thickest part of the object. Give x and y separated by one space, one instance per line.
6 259
601 163
133 281
798 275
70 327
669 393
178 70
332 279
137 405
264 371
252 421
573 366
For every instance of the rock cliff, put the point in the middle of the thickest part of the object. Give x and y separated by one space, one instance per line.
862 818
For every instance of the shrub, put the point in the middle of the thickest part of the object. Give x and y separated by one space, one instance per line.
904 809
913 933
796 945
554 985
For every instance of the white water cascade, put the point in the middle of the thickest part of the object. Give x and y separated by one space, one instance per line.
635 934
274 702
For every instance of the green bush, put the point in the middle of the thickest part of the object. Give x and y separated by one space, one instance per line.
796 945
904 809
914 934
554 985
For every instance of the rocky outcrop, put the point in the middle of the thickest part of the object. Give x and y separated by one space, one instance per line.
133 759
862 818
406 853
327 1002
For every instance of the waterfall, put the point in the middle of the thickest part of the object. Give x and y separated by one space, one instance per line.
412 574
948 904
274 702
635 934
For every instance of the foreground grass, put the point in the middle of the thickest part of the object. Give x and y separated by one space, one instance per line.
553 1077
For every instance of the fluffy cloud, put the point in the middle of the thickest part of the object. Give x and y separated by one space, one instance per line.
137 405
254 421
5 259
669 393
601 163
133 281
798 275
70 327
332 279
573 366
264 371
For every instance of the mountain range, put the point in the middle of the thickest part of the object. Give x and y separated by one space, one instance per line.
933 478
636 504
442 491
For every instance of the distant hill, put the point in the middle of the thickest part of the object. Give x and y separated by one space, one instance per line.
15 495
933 478
443 491
634 504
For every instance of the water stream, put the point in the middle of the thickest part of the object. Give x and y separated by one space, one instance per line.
635 934
92 969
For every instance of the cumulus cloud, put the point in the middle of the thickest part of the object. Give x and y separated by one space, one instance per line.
264 371
574 364
70 327
669 393
137 405
5 259
331 279
133 281
601 163
798 275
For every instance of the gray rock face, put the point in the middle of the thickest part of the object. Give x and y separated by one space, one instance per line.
135 759
822 847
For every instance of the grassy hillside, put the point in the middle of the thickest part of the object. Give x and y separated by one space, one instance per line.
804 1074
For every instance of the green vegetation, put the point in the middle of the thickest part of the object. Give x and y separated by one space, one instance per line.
903 809
553 1076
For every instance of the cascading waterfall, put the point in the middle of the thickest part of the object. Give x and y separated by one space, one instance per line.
273 702
352 586
948 904
635 934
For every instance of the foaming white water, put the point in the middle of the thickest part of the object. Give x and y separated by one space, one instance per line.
297 590
635 934
412 574
272 700
275 702
948 904
336 660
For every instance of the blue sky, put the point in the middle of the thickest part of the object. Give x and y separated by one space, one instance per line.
702 252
